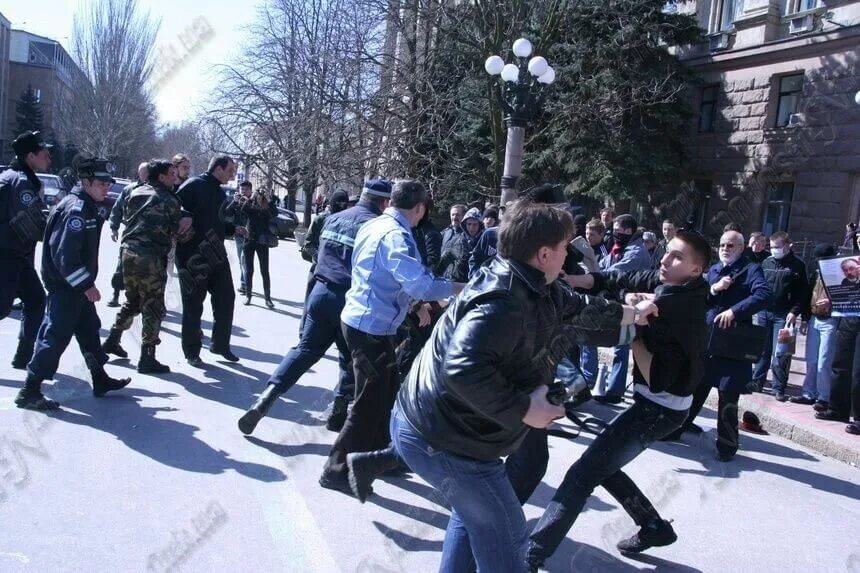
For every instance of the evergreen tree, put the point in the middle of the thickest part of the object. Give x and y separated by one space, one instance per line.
28 112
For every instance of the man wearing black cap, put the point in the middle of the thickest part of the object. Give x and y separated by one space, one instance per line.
21 225
69 267
322 327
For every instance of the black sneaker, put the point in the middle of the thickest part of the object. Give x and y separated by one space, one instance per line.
608 399
780 397
658 534
196 361
821 406
337 414
804 400
337 482
831 415
224 353
853 428
694 429
35 401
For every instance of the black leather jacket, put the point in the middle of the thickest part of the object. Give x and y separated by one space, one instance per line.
503 336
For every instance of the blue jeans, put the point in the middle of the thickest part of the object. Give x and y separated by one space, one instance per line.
486 515
321 330
627 436
588 362
240 250
820 350
780 361
618 375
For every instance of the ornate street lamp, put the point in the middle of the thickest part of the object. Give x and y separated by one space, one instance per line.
521 96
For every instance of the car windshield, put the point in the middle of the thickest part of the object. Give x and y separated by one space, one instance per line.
52 184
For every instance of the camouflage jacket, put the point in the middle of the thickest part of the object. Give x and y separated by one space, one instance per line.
151 217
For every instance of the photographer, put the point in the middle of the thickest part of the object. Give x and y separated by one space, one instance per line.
480 383
261 212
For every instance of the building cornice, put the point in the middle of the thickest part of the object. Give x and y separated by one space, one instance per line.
811 45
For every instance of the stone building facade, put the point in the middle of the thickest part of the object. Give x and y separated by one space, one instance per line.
775 142
43 64
5 42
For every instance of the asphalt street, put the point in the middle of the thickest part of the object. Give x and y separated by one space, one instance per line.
157 477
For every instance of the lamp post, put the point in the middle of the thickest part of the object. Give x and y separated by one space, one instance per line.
521 96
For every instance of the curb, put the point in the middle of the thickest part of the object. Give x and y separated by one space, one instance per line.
800 431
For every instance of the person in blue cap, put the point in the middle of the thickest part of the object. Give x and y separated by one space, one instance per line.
321 327
22 224
69 268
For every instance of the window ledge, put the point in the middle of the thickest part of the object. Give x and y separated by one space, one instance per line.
819 11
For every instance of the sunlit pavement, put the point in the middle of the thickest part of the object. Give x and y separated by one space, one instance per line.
158 477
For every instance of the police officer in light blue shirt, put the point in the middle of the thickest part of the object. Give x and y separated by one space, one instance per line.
387 278
69 267
321 327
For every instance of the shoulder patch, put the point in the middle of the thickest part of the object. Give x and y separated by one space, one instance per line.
26 197
77 205
75 223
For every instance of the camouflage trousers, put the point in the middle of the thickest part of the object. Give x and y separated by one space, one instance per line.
145 277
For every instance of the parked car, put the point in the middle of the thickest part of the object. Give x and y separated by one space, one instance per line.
52 189
286 222
114 192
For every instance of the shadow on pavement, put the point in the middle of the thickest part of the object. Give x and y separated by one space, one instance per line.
232 390
289 451
205 325
165 441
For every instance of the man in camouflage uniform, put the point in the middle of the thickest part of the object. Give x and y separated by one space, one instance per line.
115 219
152 216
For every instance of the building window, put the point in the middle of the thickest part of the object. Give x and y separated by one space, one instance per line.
790 88
778 207
730 10
708 108
802 5
37 96
701 202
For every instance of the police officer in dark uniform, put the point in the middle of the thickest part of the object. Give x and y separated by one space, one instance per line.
22 223
69 268
203 264
326 301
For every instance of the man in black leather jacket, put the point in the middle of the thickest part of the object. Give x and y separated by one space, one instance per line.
479 386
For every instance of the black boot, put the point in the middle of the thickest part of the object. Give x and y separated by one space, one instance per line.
337 414
22 355
258 411
111 344
655 534
114 302
102 383
365 466
148 364
30 397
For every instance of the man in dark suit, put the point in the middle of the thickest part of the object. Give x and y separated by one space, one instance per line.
738 291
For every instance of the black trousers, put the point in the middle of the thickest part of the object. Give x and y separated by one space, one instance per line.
219 284
262 252
19 279
727 417
376 385
627 436
845 387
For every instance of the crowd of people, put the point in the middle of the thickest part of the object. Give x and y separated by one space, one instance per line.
457 348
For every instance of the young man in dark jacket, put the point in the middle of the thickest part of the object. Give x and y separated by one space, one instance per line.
668 366
480 383
787 279
738 291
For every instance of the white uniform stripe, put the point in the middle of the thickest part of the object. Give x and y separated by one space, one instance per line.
76 274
